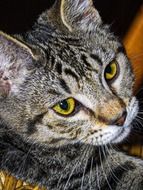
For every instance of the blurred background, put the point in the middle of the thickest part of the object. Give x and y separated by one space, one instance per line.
18 16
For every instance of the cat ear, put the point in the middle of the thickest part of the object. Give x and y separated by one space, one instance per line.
78 14
15 60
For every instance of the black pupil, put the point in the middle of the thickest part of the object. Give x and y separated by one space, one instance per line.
108 69
64 105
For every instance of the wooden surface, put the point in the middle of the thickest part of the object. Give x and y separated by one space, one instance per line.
8 182
134 45
133 42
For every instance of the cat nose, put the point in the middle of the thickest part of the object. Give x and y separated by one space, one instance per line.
120 120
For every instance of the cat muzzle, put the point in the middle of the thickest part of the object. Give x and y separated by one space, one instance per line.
120 120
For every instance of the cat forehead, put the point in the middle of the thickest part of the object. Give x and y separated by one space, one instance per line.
75 59
101 39
84 51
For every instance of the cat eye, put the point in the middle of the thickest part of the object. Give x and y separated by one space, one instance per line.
111 71
65 107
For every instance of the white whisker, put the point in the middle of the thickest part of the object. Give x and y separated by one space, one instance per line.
104 173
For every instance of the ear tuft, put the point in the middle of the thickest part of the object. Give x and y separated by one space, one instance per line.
75 15
79 14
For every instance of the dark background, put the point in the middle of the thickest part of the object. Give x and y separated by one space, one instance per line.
18 16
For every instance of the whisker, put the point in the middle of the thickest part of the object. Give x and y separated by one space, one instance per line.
70 175
119 164
97 176
76 165
102 167
82 181
90 174
115 177
25 158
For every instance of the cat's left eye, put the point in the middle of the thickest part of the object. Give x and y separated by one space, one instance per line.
65 107
111 71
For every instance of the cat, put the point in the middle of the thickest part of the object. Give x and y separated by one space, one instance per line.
66 99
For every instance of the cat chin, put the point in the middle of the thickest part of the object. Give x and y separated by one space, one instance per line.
120 137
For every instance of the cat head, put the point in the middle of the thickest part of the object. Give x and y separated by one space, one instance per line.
69 82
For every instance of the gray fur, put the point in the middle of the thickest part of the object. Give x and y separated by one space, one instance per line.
65 55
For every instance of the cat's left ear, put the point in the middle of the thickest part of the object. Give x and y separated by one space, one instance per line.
78 14
16 60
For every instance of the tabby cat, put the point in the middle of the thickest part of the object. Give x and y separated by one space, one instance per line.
66 98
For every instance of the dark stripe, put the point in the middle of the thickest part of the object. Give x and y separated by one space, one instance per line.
31 124
121 49
76 178
53 92
141 184
52 59
58 68
70 72
55 141
118 172
64 86
84 59
44 29
96 58
70 40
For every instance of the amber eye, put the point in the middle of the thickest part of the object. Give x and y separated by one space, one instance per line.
111 71
65 107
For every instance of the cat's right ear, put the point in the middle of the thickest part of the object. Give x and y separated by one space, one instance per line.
16 59
76 15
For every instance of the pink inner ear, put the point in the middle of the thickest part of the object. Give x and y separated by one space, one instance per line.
5 85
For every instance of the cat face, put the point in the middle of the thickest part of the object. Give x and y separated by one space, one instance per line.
84 105
76 88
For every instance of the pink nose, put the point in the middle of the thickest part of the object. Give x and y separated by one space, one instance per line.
120 121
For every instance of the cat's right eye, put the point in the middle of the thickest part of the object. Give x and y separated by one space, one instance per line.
65 107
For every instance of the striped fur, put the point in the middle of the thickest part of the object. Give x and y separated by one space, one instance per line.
65 55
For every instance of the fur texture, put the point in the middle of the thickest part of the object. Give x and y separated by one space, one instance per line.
65 55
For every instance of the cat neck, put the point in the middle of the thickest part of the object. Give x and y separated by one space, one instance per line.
70 167
51 167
